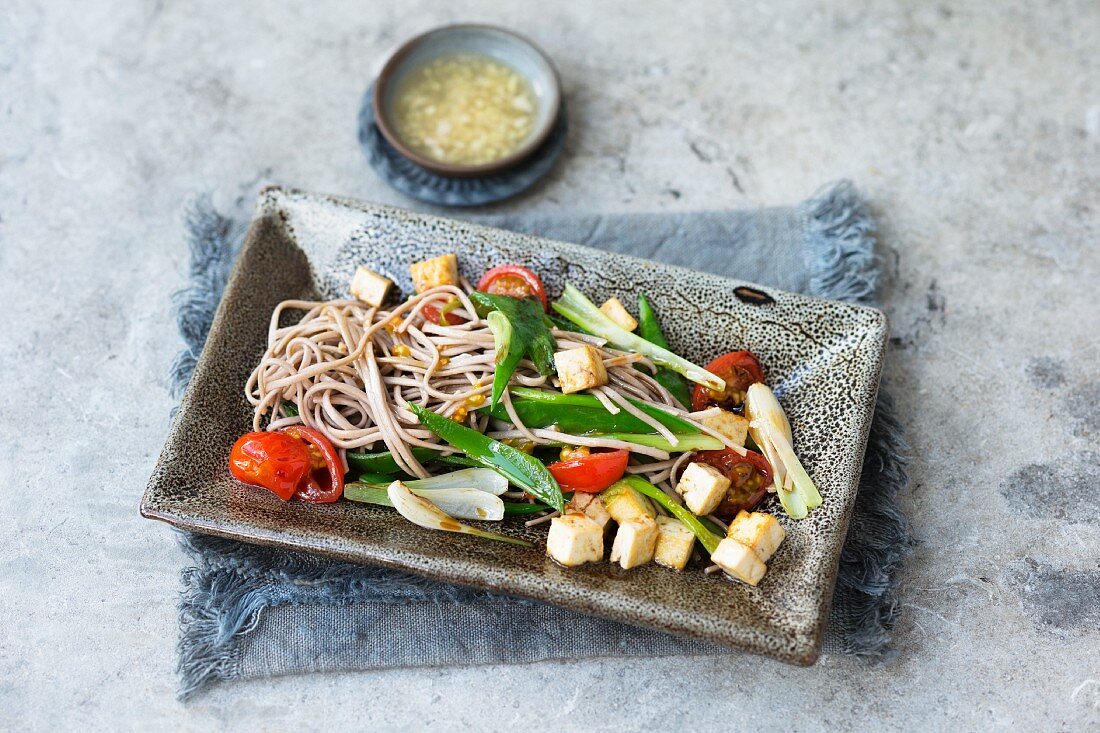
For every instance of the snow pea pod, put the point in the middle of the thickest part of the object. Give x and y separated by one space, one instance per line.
521 469
581 414
650 330
384 463
519 330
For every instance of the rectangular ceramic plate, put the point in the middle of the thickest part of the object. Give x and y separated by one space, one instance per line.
821 357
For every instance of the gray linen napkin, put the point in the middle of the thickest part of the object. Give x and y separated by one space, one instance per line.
249 611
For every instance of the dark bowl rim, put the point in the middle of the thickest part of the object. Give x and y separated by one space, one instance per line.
448 169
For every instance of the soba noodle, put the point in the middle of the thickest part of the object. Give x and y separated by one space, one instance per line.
351 370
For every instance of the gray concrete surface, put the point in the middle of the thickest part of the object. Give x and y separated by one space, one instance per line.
974 127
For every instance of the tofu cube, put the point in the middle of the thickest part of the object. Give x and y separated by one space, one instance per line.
729 424
370 287
442 270
739 561
616 311
757 531
580 369
591 505
635 542
703 487
674 543
574 539
625 503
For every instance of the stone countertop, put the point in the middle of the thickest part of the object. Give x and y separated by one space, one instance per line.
973 128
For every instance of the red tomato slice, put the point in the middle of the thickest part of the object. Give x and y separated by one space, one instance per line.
749 475
296 462
277 462
515 282
438 317
317 488
740 369
591 473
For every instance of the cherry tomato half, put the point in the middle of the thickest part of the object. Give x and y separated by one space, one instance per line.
275 461
740 369
319 488
436 315
297 462
749 475
515 282
590 473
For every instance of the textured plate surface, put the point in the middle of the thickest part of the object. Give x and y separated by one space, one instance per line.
822 358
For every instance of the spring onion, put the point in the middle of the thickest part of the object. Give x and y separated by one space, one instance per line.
698 441
481 479
709 540
424 513
575 306
456 493
463 503
485 480
770 429
372 489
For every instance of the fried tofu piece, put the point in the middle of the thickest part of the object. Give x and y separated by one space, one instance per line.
442 270
617 312
739 561
625 503
674 543
580 369
732 426
757 531
703 487
574 539
370 287
635 542
591 505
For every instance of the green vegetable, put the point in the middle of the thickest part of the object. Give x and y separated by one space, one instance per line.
521 469
366 493
709 524
575 306
521 508
583 414
373 478
482 479
709 540
623 502
770 430
501 329
562 324
290 409
384 463
519 330
423 513
650 330
509 348
460 502
451 305
698 441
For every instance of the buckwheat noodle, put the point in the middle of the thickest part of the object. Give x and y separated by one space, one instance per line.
351 371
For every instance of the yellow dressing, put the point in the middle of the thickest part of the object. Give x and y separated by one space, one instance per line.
464 109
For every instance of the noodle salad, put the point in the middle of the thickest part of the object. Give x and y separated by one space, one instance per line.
493 404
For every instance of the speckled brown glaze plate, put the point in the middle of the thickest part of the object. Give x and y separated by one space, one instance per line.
822 358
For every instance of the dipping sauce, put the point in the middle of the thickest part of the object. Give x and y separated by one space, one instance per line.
464 109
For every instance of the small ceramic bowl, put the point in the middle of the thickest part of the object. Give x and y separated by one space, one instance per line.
505 46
